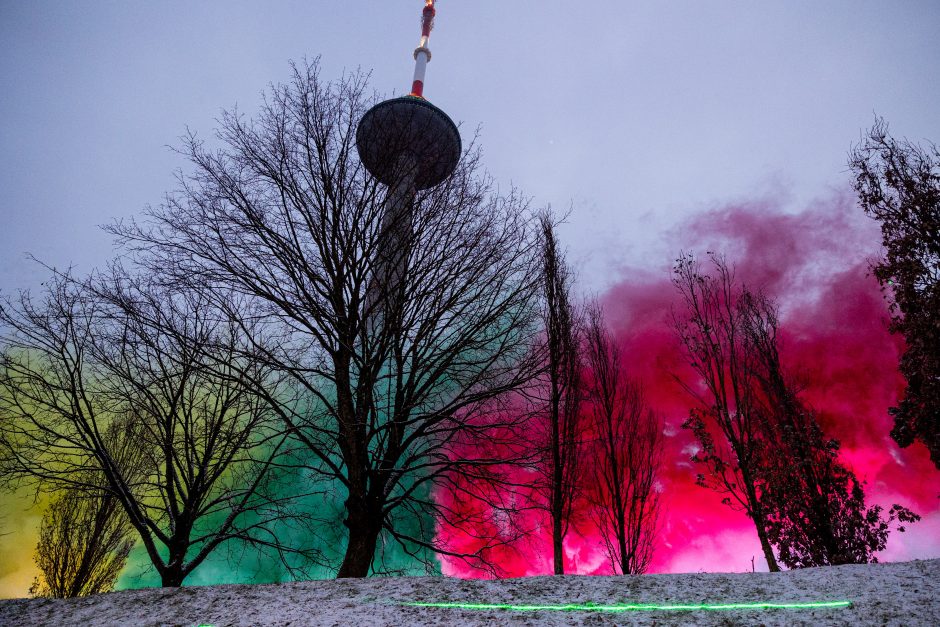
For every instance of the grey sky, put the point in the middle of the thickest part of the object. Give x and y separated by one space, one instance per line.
637 113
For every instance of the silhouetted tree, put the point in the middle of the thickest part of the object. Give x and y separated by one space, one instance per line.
815 506
560 392
83 545
898 184
284 215
628 438
85 536
713 332
167 366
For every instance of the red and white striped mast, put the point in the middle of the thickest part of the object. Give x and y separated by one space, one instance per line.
422 52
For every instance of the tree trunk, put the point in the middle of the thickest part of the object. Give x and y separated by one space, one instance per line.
364 526
172 577
757 515
622 538
557 502
557 536
768 551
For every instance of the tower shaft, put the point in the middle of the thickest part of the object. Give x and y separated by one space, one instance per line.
383 298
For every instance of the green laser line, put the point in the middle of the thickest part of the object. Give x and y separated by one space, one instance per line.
634 607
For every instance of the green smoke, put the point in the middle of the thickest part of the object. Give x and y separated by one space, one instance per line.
325 536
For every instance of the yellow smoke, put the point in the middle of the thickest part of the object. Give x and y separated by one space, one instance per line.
20 515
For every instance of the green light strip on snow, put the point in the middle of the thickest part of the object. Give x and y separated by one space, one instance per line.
635 607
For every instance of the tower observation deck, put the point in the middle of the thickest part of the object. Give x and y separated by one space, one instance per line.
410 129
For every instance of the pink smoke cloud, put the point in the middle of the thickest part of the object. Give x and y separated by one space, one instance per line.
834 335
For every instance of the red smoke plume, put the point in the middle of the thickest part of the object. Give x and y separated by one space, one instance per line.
834 335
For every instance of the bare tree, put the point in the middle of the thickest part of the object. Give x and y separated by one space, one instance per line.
83 545
285 216
558 395
712 331
629 435
85 535
774 460
165 365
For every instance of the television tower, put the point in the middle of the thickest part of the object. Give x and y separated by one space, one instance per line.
409 145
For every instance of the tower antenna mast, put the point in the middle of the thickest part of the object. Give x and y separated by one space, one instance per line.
422 52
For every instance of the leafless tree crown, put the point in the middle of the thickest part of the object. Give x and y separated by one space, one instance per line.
284 216
710 326
120 355
627 437
85 535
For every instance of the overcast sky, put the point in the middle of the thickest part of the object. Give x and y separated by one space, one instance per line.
634 114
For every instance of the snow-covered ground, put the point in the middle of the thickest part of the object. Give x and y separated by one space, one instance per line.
905 593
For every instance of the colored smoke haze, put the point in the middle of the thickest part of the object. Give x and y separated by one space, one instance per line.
834 333
834 336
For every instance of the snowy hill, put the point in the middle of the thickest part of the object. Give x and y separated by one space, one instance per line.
879 594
